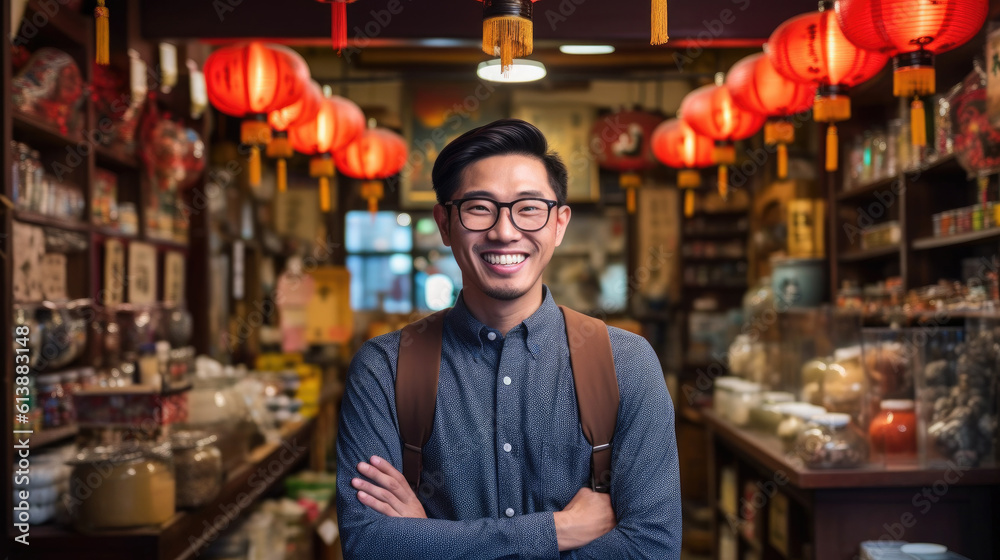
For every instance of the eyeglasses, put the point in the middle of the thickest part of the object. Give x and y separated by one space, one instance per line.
481 214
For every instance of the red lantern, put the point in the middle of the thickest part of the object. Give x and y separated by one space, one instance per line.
812 48
624 138
338 22
756 86
912 32
251 80
507 30
302 111
711 112
374 155
677 145
338 122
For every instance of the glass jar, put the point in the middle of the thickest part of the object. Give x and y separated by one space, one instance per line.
831 441
766 415
52 400
843 382
794 418
893 433
122 485
812 375
745 397
197 468
216 408
723 395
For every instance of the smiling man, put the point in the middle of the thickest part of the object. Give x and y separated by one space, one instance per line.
506 471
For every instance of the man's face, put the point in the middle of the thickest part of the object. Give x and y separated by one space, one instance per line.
479 254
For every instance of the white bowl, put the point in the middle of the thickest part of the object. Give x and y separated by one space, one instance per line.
925 551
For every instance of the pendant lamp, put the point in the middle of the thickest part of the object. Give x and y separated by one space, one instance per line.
677 145
376 154
812 48
337 123
251 80
711 111
507 30
302 111
756 86
912 32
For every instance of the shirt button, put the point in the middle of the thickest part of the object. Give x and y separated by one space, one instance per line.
506 380
509 512
506 447
492 336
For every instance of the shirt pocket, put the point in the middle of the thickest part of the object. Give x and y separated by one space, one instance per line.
565 471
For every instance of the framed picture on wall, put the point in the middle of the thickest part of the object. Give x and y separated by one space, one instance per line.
434 114
567 128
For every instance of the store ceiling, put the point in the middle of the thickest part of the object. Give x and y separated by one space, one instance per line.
721 22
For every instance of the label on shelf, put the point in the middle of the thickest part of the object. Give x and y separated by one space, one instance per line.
54 276
141 273
173 277
114 273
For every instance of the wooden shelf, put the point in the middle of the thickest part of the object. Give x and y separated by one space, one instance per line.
116 158
71 25
867 189
52 435
955 240
713 259
867 254
943 164
108 231
37 219
187 532
741 287
731 234
766 450
38 133
166 243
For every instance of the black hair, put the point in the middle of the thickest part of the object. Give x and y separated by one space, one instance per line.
501 137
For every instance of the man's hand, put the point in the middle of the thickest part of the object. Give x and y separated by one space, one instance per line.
585 518
389 493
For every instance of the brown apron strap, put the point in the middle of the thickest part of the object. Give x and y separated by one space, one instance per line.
416 389
596 384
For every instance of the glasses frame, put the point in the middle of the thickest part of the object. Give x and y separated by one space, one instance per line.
458 202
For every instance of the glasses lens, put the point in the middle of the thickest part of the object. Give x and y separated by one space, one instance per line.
530 215
478 214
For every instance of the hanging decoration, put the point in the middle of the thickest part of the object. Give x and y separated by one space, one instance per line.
102 54
250 80
677 145
756 86
302 111
912 32
507 30
338 22
376 154
624 141
658 22
812 48
711 112
337 123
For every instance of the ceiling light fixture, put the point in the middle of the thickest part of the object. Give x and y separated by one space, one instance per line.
522 70
586 49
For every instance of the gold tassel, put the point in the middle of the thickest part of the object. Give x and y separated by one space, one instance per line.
324 194
511 35
831 147
282 172
918 124
658 23
782 161
688 203
254 178
373 205
724 181
103 54
630 200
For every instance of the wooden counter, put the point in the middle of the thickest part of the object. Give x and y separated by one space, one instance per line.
829 512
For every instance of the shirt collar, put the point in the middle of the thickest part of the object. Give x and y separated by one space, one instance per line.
546 318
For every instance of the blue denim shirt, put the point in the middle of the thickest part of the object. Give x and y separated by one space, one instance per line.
507 448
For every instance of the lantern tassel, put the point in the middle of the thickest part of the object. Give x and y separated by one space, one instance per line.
831 147
513 36
724 181
373 206
630 200
324 194
103 54
338 26
688 203
782 161
254 161
918 125
282 173
658 23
